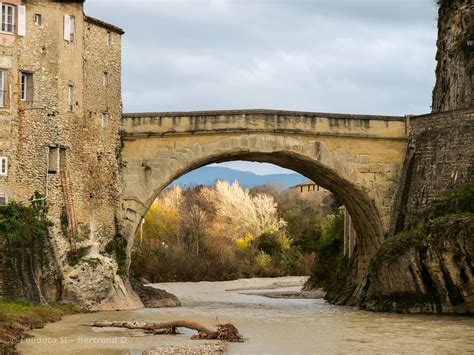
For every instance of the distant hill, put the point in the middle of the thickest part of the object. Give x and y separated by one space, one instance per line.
208 175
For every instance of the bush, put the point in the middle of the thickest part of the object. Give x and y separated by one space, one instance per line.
19 223
459 201
330 265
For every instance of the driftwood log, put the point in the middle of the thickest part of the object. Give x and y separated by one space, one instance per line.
225 332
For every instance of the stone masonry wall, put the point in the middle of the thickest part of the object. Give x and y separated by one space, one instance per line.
40 121
94 173
439 158
30 129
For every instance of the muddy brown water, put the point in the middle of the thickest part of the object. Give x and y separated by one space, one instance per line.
271 326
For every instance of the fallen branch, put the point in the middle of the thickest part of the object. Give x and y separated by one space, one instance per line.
225 332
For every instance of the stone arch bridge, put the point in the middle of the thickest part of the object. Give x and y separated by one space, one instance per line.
357 157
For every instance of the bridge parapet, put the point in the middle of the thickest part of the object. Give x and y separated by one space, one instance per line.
269 121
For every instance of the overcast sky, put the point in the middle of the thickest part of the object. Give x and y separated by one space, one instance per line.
349 56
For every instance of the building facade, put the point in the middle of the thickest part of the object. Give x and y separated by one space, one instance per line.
60 108
313 193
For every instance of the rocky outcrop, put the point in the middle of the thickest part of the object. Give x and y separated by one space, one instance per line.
425 270
154 297
454 87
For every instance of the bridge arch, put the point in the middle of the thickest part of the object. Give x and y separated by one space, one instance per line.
358 158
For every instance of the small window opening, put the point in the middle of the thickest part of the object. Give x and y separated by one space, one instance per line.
53 160
70 97
3 199
105 79
38 19
3 166
108 38
105 120
26 86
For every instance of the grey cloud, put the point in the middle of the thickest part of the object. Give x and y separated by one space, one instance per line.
340 56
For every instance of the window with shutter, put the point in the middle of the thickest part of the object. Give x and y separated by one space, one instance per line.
67 28
72 23
69 24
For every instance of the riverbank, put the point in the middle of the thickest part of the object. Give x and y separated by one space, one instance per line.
268 325
17 318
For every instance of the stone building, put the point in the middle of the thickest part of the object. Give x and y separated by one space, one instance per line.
310 191
60 109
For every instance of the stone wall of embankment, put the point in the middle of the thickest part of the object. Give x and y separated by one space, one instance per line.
427 267
439 158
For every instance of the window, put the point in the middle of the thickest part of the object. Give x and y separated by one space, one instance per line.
73 23
108 38
105 119
2 87
70 97
105 79
3 166
26 86
38 19
53 160
8 18
69 23
3 199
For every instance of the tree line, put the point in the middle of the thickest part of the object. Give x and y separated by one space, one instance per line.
226 232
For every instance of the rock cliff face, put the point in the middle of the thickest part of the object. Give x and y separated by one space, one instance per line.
426 270
454 87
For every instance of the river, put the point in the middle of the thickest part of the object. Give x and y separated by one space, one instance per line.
272 326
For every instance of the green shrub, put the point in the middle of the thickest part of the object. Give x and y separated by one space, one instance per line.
459 201
20 223
118 247
330 266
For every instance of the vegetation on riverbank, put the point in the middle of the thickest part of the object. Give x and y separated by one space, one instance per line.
227 232
16 318
331 266
24 224
23 231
